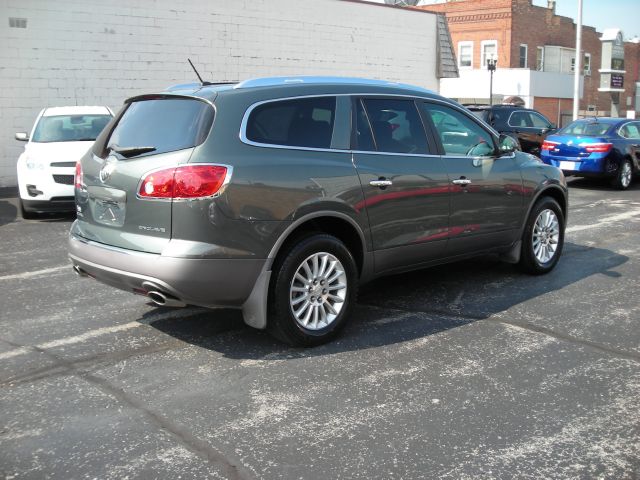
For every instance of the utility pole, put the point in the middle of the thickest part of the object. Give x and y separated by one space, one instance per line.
578 63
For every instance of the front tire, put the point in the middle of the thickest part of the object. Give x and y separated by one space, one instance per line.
314 291
622 180
543 237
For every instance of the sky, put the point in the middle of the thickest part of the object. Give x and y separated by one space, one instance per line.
602 14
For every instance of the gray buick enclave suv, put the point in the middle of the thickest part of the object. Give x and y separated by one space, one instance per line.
280 196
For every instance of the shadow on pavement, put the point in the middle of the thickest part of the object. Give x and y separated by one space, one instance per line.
402 307
600 184
8 212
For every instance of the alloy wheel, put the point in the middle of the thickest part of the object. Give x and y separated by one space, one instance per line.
318 291
625 175
546 235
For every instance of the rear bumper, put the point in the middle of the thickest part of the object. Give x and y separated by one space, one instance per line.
205 282
579 166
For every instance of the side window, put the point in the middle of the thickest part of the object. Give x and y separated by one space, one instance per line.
520 119
303 122
631 131
364 138
396 125
539 121
459 134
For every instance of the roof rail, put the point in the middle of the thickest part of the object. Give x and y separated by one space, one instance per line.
196 86
321 80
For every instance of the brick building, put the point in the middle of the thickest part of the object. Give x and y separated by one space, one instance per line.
535 51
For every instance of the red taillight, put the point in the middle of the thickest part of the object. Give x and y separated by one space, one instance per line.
78 176
548 145
597 147
189 181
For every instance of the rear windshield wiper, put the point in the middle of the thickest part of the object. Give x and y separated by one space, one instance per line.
129 152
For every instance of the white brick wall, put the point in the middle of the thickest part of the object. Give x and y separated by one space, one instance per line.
91 52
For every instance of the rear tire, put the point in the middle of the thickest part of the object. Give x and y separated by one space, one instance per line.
313 292
622 180
543 237
27 215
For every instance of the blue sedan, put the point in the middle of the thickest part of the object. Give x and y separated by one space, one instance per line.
596 147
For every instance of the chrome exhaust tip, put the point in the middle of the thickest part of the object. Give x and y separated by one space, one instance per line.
163 300
78 271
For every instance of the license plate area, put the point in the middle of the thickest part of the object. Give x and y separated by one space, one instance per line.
566 165
109 212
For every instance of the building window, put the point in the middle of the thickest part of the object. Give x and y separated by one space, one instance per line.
540 59
587 64
17 22
465 54
523 55
489 49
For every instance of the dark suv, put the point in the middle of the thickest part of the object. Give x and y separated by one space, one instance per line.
280 196
528 126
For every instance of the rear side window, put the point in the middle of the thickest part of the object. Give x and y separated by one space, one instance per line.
166 124
396 125
302 122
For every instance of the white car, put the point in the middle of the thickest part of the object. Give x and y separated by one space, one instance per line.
46 168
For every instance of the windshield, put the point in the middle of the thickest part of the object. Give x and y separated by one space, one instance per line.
585 128
69 128
162 125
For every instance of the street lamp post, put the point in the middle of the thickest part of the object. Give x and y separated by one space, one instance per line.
491 66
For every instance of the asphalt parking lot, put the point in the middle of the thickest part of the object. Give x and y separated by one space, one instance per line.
470 370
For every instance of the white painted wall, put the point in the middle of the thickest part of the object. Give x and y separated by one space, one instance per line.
510 81
99 52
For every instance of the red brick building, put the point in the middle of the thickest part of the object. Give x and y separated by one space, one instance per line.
522 36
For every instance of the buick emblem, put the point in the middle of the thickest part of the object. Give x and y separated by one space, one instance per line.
106 170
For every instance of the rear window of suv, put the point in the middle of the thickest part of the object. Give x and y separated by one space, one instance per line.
301 122
166 124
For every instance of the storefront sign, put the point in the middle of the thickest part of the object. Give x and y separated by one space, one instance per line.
617 81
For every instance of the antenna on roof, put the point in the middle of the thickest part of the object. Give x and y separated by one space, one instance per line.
198 75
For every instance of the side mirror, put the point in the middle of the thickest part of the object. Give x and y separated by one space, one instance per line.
552 126
507 144
22 136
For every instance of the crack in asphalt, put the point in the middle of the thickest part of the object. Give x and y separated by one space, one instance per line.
468 318
231 468
87 363
571 339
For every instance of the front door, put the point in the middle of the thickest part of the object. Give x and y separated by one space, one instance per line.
486 189
405 184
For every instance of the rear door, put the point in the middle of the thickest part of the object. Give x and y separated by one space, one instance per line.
150 134
405 185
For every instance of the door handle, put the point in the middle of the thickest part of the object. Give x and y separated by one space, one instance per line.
382 183
461 181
